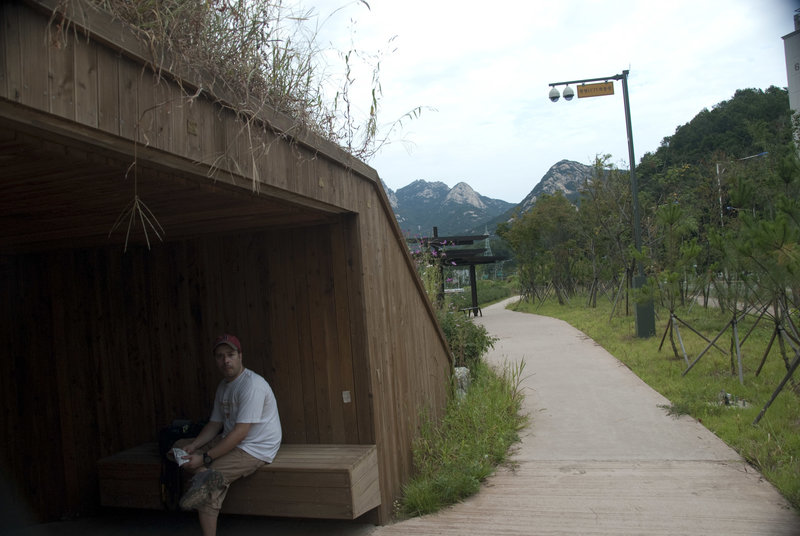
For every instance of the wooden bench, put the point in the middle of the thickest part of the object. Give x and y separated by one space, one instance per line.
313 480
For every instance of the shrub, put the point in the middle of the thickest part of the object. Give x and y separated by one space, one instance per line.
468 341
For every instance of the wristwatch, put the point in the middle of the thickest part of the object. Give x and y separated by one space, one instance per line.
207 460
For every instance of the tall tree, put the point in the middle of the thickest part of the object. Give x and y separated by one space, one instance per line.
606 222
545 244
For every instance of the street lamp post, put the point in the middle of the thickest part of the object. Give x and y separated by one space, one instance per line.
645 312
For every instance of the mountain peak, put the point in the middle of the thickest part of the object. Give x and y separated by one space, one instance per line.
422 205
424 190
566 176
463 194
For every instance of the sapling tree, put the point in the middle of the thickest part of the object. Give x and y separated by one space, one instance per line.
770 246
605 224
677 256
759 248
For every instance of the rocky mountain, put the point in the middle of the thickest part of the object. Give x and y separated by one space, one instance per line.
566 176
423 205
460 210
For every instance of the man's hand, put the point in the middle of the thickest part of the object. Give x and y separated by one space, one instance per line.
193 461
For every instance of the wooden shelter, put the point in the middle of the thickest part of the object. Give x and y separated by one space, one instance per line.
268 232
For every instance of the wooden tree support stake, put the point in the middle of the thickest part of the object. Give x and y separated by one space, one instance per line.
785 379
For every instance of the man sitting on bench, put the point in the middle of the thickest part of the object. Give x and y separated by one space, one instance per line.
243 434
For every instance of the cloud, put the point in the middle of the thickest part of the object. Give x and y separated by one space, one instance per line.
486 69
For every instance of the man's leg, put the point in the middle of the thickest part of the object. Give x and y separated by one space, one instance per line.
206 485
232 466
208 521
204 482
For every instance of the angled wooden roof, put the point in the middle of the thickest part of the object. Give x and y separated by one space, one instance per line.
57 193
85 127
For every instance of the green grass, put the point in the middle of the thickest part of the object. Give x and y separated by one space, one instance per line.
453 457
489 291
773 446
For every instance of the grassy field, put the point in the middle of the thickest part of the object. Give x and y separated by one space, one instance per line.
773 446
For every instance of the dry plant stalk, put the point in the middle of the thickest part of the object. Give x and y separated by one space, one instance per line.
137 209
260 55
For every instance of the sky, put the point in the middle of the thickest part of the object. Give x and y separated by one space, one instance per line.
480 73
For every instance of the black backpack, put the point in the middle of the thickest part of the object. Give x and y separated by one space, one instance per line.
170 473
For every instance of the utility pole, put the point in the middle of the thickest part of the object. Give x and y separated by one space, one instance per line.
645 312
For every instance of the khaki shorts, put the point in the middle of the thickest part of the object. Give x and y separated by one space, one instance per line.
232 466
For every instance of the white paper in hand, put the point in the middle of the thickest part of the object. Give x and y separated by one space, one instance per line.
179 454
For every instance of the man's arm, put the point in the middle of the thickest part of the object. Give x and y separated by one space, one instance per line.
230 442
209 432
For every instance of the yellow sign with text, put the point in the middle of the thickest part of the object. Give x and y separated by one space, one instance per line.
595 90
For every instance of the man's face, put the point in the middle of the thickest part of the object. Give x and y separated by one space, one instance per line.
229 361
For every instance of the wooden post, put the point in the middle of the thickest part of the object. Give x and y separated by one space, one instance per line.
474 286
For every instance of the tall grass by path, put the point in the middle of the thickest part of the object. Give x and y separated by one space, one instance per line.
454 456
773 446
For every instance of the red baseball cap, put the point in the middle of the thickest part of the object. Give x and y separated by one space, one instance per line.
230 340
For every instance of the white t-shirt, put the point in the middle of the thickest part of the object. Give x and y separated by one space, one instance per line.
249 399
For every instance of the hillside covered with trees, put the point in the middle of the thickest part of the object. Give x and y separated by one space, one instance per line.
720 210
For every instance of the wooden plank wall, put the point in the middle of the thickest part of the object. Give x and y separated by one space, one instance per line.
104 349
409 370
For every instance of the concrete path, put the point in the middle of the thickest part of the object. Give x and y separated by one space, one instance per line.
601 457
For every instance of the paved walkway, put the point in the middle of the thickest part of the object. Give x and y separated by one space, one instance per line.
600 458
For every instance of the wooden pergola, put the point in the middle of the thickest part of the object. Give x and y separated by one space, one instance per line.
460 256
